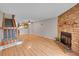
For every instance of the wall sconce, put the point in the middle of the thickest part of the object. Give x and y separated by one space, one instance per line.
75 23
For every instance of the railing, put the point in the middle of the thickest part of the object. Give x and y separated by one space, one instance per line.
9 34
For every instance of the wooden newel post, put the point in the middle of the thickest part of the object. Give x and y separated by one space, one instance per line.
13 16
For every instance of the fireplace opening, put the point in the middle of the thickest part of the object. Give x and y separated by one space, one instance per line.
66 39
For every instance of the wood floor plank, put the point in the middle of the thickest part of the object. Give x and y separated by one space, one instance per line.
20 51
34 45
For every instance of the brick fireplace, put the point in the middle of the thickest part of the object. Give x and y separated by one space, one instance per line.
68 25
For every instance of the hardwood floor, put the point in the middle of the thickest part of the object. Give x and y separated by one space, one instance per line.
34 46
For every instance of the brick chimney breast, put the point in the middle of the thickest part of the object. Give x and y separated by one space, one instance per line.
69 22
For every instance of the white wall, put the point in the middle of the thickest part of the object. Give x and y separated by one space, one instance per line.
46 28
23 31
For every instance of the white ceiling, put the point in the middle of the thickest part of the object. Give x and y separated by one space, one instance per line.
35 11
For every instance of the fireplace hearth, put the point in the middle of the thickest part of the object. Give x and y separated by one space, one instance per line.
66 39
